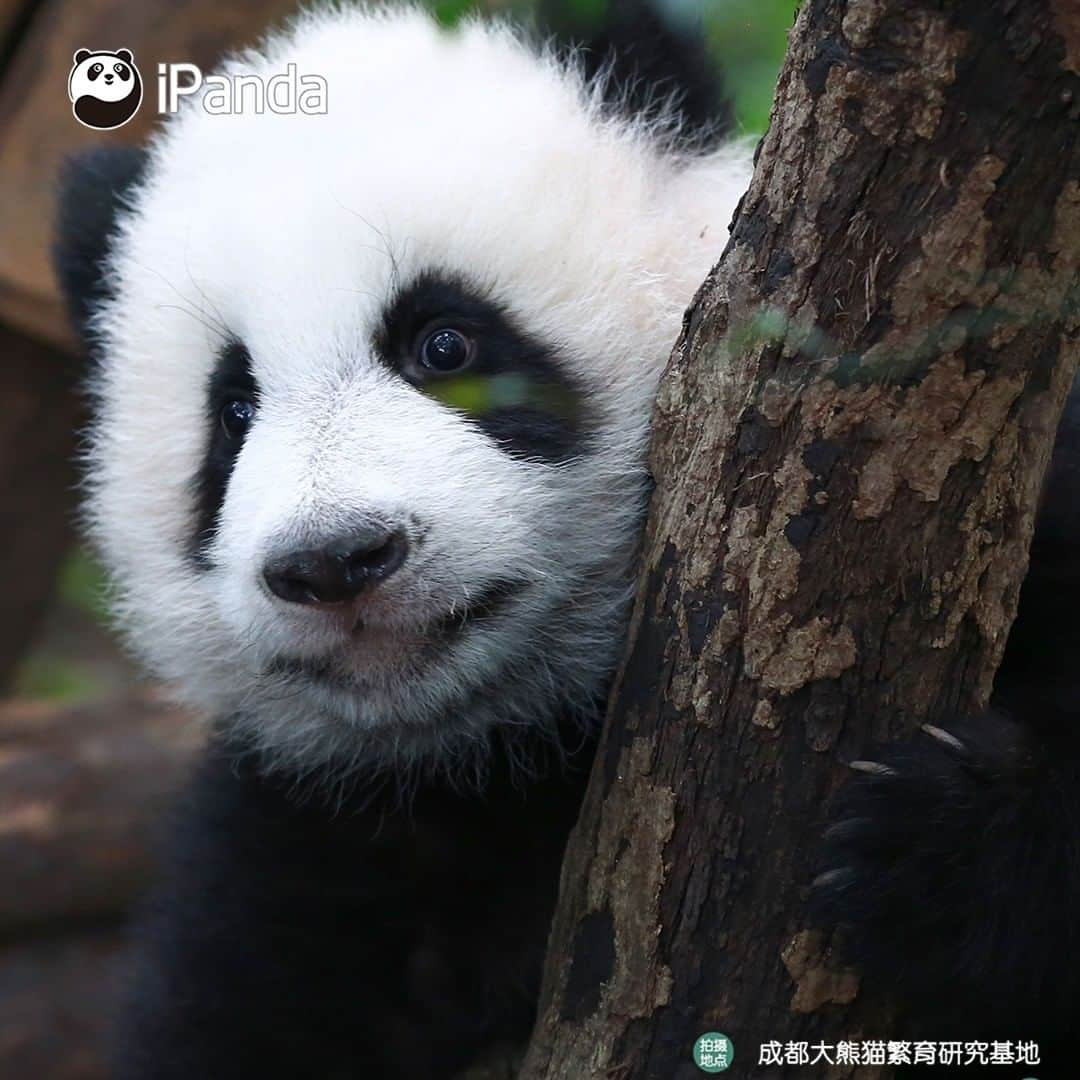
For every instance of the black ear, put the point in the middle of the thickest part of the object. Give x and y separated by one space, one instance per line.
647 58
124 54
93 186
81 55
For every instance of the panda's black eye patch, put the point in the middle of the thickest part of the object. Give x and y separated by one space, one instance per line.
444 336
121 70
95 70
232 399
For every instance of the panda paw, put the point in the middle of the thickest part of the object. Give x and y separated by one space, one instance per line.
950 864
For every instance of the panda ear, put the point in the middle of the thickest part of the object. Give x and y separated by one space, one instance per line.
81 55
125 55
93 190
650 63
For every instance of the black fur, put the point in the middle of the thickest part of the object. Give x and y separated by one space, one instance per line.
545 418
94 187
648 62
232 379
293 938
955 875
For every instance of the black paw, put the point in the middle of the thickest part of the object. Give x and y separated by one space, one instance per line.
952 863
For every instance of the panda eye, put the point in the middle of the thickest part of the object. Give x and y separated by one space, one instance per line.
236 417
446 350
120 70
96 69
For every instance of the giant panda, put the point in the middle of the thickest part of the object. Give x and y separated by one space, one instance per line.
371 395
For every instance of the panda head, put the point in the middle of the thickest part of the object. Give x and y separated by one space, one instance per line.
104 87
372 387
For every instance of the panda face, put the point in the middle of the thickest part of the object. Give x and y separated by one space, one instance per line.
367 466
105 78
104 87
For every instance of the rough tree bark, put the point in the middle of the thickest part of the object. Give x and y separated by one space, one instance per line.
848 447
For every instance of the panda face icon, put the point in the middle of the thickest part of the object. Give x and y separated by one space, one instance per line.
105 88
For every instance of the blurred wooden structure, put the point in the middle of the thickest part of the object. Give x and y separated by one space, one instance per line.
83 792
79 788
37 131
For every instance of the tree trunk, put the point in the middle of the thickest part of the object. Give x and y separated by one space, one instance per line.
848 447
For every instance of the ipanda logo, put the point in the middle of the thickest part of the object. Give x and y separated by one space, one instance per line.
224 95
106 90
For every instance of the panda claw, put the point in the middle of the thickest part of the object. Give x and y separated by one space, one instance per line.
945 737
840 830
873 768
842 875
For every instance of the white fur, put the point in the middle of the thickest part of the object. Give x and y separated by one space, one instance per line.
468 151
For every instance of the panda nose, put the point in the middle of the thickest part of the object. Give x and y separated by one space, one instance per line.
339 571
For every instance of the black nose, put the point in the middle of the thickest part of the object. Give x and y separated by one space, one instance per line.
339 571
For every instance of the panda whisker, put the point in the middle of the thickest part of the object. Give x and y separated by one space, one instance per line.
187 306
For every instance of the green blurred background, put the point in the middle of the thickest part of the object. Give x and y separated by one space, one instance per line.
75 658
